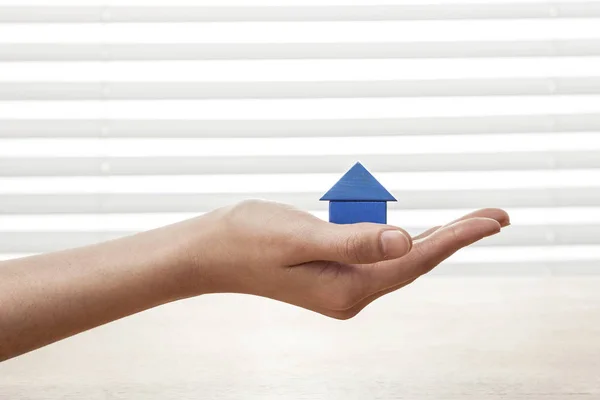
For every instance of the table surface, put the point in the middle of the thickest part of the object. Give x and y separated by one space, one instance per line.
440 338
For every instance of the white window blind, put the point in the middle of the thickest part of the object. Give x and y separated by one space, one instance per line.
124 116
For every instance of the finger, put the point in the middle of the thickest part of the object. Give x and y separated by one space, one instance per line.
448 240
428 253
494 213
426 233
359 243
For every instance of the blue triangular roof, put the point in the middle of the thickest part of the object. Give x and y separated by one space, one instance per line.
358 185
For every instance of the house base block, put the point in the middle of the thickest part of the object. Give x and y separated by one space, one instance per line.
351 212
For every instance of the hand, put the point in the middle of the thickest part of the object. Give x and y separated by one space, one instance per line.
276 251
256 247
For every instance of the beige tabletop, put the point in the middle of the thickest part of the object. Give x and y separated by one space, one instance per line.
446 337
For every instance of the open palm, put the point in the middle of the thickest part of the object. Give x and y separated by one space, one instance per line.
276 251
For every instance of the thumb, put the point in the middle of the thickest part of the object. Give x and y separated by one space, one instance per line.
362 243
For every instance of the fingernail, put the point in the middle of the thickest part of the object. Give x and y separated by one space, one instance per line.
394 244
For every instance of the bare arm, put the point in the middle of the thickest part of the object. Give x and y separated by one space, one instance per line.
258 248
49 297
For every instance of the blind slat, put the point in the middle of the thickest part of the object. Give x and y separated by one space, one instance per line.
292 51
63 128
87 166
509 10
273 90
198 202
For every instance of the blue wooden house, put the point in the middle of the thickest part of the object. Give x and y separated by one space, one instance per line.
358 197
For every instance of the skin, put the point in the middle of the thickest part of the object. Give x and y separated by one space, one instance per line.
256 247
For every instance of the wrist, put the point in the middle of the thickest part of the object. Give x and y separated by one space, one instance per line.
192 256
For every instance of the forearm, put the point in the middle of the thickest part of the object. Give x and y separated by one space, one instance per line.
49 297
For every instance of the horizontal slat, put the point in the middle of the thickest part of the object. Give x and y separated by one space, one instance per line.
299 109
195 202
298 70
58 128
291 51
85 166
306 32
136 148
512 10
23 242
274 90
396 182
